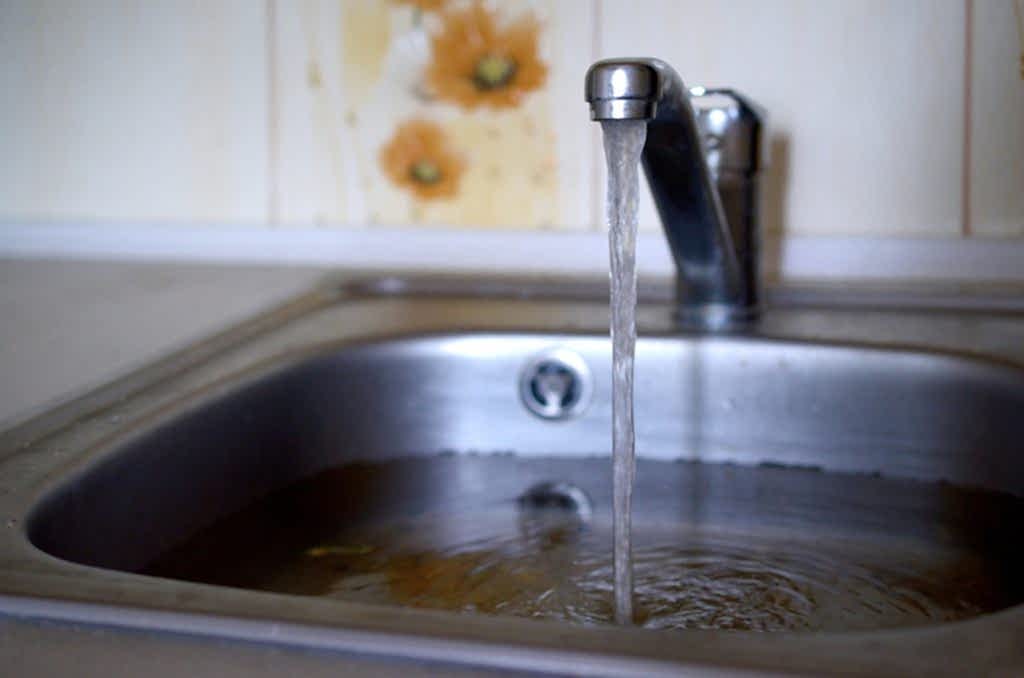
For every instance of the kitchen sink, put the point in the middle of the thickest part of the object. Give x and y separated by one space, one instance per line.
831 422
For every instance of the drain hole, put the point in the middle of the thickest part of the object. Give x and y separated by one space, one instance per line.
556 385
557 496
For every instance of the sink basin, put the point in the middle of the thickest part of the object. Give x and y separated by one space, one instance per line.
828 423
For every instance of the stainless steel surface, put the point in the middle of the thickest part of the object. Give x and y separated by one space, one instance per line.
372 369
743 401
703 170
70 326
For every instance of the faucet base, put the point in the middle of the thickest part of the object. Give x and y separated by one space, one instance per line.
716 317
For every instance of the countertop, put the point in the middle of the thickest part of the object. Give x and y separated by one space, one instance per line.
68 326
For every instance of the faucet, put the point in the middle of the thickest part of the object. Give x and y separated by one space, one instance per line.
703 171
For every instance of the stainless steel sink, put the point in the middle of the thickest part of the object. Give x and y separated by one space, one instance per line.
377 369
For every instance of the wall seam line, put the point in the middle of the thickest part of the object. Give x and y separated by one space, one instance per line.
273 131
965 178
596 150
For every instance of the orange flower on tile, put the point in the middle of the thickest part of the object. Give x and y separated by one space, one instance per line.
476 62
423 5
419 159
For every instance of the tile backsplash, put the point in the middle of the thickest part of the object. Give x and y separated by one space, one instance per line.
391 105
133 110
889 118
865 100
996 135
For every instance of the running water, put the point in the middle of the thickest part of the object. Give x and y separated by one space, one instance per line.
623 142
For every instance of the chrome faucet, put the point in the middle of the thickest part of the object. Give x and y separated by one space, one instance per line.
703 170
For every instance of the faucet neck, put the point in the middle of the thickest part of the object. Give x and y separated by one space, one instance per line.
709 215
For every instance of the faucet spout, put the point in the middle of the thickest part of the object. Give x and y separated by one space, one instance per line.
716 259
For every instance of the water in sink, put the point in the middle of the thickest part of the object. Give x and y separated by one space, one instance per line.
714 546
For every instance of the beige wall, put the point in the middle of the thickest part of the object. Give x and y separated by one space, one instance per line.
890 118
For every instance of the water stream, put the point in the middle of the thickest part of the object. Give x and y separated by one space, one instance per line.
623 143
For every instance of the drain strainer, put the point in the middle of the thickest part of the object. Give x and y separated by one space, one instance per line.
558 496
556 384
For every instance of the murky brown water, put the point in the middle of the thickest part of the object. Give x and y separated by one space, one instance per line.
714 547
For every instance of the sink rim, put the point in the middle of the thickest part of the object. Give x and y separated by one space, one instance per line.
22 596
1004 302
279 364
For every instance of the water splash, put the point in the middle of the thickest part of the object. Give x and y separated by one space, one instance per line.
623 143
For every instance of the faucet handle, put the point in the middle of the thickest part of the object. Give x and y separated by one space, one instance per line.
733 129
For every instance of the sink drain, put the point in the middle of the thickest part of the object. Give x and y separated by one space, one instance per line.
556 384
557 496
